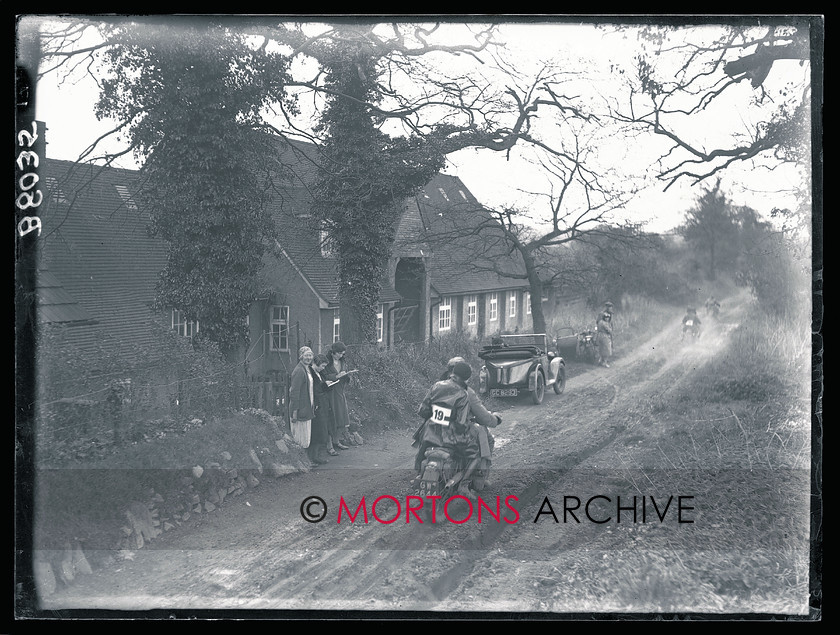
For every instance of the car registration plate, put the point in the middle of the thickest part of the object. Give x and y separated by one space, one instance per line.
504 392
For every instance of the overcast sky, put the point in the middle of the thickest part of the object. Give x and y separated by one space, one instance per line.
67 109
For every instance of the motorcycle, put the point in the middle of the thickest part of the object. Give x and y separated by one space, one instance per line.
691 327
450 471
587 348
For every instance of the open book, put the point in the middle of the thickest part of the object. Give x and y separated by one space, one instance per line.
347 372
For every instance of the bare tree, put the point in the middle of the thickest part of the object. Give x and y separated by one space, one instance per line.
384 102
690 76
578 205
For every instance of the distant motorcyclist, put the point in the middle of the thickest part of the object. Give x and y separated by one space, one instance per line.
690 322
603 325
712 306
447 411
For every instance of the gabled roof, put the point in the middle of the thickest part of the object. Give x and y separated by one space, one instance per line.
298 235
465 246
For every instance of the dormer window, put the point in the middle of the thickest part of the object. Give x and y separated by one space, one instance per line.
443 193
327 244
125 195
55 192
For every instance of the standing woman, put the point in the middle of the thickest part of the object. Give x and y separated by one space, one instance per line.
302 398
603 324
323 413
336 370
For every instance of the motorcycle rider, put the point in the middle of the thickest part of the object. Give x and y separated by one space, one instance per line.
450 365
690 321
603 325
712 306
446 410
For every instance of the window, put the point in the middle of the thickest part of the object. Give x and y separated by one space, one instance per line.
56 195
379 324
327 244
279 328
472 309
182 326
443 193
445 314
125 195
526 299
336 325
463 196
512 304
494 306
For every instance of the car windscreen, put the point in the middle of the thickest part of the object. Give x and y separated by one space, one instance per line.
525 340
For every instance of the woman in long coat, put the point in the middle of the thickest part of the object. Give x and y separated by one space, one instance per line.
302 398
322 420
336 370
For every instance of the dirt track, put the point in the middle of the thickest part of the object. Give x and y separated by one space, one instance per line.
257 552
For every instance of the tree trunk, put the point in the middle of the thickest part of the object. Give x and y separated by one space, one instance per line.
358 317
536 292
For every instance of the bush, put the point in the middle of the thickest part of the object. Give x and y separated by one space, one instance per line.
92 400
392 382
778 276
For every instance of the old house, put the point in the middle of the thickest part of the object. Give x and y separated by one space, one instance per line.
468 290
99 265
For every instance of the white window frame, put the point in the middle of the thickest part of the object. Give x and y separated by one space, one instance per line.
494 307
336 325
379 323
445 314
182 327
327 244
512 304
526 298
278 324
125 195
56 194
472 310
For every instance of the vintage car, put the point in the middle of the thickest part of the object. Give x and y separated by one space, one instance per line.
518 364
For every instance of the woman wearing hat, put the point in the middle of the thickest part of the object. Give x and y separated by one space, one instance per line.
603 325
322 417
336 370
302 398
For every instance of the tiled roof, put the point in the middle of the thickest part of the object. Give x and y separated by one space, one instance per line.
102 263
463 258
54 305
297 233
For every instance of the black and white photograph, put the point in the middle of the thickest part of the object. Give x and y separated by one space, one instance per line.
418 317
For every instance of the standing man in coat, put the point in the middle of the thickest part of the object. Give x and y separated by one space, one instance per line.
604 339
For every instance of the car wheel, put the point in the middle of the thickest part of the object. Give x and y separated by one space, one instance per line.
539 391
560 384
